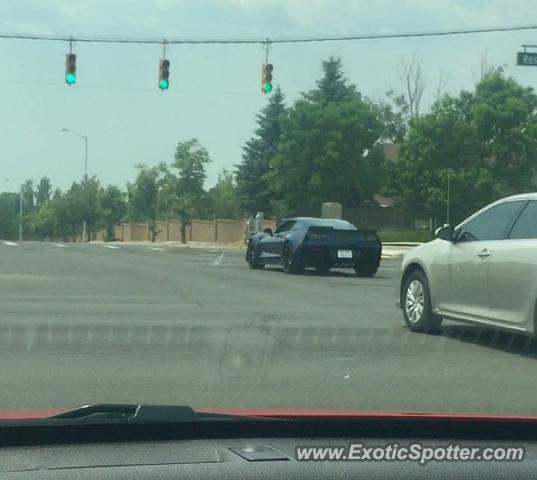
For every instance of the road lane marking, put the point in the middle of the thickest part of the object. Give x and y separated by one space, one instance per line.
60 245
32 278
110 246
218 261
10 244
389 254
156 249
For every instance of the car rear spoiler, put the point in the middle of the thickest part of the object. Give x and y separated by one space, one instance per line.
365 233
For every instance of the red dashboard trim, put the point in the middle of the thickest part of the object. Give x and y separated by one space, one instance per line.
292 414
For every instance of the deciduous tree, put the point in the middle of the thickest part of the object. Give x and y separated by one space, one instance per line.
329 149
486 140
223 197
143 198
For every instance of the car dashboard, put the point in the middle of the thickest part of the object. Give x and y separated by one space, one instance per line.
252 450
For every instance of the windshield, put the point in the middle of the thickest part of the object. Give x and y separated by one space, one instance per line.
149 151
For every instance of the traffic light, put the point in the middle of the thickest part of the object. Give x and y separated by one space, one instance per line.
70 68
164 75
266 78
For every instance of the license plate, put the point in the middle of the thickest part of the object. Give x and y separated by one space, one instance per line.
344 254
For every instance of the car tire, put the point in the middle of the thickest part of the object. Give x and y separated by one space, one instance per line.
364 269
251 257
367 271
416 304
290 262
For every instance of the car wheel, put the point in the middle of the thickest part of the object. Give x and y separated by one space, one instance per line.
251 257
366 269
290 264
416 303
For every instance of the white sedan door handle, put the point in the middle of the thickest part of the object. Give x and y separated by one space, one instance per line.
484 253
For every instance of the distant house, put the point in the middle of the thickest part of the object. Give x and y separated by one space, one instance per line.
383 201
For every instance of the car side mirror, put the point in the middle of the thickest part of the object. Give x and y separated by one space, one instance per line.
268 231
444 233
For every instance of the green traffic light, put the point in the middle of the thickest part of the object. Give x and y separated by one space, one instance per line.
164 84
70 79
268 87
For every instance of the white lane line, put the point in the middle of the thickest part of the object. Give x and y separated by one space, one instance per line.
10 244
218 261
60 245
156 249
110 246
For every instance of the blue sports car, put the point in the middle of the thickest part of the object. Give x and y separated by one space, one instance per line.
322 243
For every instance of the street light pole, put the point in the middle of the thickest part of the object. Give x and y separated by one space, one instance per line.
20 215
85 158
85 138
447 206
20 205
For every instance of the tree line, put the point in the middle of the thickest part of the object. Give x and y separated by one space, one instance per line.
165 191
326 146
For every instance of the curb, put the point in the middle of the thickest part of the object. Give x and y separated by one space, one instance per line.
206 246
402 244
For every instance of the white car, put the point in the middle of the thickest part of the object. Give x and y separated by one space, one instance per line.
484 271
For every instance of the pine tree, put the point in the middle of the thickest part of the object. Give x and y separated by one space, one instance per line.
252 185
333 86
328 151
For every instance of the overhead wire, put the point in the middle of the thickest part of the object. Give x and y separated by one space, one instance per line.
262 41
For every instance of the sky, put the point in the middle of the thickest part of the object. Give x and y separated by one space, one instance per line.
214 90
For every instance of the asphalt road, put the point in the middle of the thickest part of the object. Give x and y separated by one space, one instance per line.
88 323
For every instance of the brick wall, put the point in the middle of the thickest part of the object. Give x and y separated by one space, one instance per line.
213 231
229 231
202 231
